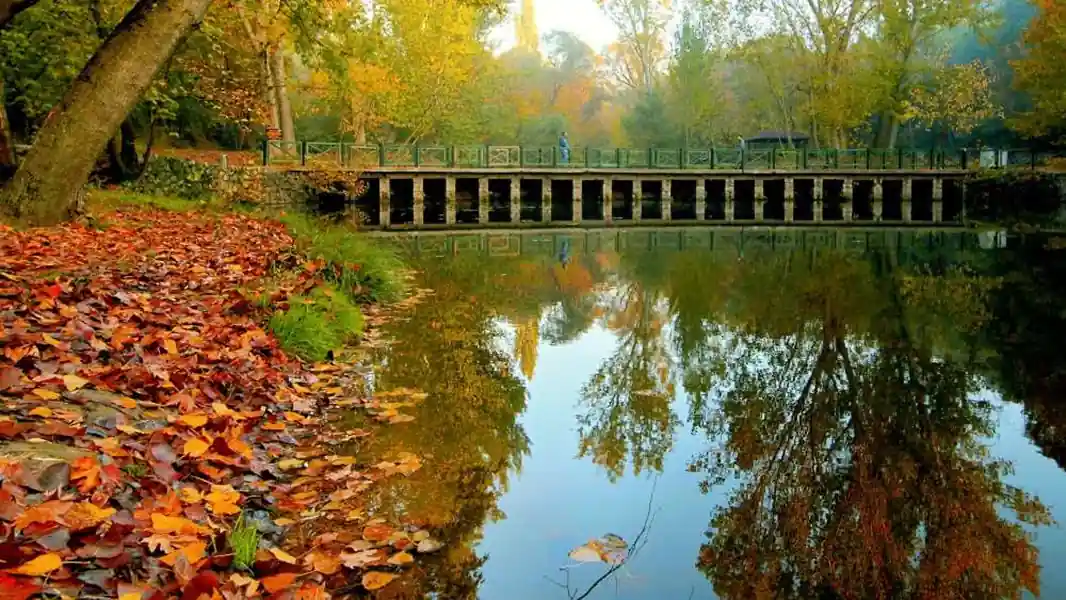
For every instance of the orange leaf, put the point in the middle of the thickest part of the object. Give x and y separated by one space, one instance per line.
376 580
274 426
85 515
323 562
193 420
195 447
41 411
279 582
223 500
47 512
88 471
163 524
45 563
192 553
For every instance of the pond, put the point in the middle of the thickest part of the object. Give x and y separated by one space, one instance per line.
755 413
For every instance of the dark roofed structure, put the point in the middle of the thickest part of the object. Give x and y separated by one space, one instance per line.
767 139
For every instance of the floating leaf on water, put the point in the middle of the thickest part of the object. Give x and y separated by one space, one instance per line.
429 545
376 580
609 548
401 558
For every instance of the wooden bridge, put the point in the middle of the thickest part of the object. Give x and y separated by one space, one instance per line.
477 186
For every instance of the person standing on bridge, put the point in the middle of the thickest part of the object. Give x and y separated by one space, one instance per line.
564 149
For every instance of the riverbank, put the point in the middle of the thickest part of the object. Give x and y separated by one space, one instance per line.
169 376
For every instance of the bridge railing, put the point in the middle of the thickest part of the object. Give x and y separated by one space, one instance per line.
346 155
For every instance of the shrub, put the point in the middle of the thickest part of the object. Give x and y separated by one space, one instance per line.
169 176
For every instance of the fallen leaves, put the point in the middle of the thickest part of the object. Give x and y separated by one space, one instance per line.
182 415
43 564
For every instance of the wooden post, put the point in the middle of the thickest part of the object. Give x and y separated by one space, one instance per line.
483 200
701 199
608 201
730 199
384 208
790 199
546 200
938 199
847 196
449 200
817 207
516 199
666 202
575 217
638 200
419 191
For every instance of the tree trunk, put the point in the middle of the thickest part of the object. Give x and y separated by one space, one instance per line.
7 143
271 94
66 147
278 72
10 8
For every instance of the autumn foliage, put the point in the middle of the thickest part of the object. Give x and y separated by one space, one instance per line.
146 411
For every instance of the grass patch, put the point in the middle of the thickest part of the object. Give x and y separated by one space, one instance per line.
365 270
317 324
108 200
244 541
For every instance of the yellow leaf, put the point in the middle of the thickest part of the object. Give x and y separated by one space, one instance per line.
282 522
195 447
51 341
274 426
45 394
376 580
193 420
131 596
290 463
73 382
401 558
41 411
283 556
191 495
170 346
293 417
45 563
223 500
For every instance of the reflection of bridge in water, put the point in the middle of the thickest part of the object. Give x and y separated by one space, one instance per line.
719 240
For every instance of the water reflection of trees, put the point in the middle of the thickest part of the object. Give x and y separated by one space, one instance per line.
836 390
854 437
466 431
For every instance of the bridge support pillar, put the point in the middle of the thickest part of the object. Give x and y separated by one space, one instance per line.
638 200
384 206
449 200
938 189
516 200
667 200
419 191
908 189
730 199
701 199
790 210
576 201
608 201
546 200
483 201
847 200
817 195
877 202
790 189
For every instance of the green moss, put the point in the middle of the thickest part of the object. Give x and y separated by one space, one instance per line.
365 270
316 324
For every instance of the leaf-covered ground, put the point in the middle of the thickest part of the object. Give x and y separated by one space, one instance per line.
155 441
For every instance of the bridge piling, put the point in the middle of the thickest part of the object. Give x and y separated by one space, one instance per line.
666 200
485 198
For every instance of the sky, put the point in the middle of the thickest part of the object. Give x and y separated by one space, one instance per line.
582 17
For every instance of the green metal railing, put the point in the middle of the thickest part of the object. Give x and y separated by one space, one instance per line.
334 155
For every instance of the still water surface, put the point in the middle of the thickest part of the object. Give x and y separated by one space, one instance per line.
799 414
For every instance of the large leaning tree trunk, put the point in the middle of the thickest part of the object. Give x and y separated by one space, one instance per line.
10 8
74 135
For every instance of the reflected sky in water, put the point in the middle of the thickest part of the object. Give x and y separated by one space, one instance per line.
818 414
